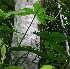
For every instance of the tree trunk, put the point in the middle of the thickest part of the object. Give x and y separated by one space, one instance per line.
21 24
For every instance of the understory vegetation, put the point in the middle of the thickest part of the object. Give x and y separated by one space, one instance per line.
54 18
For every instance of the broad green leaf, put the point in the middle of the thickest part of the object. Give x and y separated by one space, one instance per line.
46 43
62 67
29 49
3 50
4 7
57 47
47 67
46 17
67 13
2 13
6 29
41 10
50 54
41 34
37 6
13 12
14 67
41 20
26 11
44 33
50 18
57 37
63 4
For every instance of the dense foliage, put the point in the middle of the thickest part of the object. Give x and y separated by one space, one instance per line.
52 47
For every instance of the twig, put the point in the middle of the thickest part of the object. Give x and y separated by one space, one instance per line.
26 31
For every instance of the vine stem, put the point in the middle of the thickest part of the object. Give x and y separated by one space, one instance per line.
27 30
65 31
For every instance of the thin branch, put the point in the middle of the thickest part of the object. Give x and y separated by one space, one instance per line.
26 31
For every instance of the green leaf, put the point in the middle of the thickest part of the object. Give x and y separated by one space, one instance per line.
63 4
46 17
36 6
57 47
41 34
3 50
4 7
6 29
26 11
50 18
67 13
29 49
44 34
50 54
2 59
57 37
11 13
41 20
46 43
2 13
47 67
14 67
41 10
